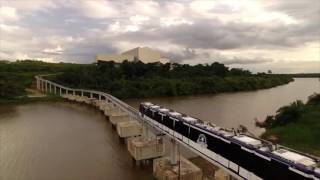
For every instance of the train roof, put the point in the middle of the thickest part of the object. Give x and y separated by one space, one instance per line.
190 119
163 110
246 140
174 113
295 157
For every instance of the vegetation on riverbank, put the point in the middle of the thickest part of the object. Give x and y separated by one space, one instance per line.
15 77
305 75
296 126
135 79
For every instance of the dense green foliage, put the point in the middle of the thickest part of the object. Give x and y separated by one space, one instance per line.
305 75
297 125
285 115
136 79
16 76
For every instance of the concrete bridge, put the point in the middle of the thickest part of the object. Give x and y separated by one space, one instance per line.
144 138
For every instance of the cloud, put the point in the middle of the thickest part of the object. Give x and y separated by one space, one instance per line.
9 28
31 6
238 33
8 13
242 61
57 50
192 56
186 54
97 9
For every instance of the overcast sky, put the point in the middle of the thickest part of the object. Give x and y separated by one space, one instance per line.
281 35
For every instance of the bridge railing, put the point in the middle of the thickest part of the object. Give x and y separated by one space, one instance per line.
42 84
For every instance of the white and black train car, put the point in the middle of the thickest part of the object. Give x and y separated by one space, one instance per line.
249 157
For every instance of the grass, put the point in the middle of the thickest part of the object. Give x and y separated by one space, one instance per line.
303 134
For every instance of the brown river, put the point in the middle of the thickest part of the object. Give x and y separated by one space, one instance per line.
65 141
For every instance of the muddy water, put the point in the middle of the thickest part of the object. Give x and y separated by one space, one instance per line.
61 141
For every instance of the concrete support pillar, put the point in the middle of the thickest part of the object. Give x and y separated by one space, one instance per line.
55 89
91 96
60 90
50 88
99 97
81 93
37 83
74 93
42 85
46 84
145 131
173 152
229 177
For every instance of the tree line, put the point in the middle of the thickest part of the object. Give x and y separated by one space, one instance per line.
16 76
136 79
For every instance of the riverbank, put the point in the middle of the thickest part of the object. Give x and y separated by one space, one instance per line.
136 79
26 99
296 126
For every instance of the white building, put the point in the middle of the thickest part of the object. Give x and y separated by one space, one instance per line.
144 54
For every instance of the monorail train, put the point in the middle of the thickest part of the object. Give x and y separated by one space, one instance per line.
244 155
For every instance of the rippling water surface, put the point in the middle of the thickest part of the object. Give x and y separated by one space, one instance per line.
61 141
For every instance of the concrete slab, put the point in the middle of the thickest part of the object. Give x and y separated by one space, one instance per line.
129 129
117 117
103 106
98 102
81 99
70 97
141 148
90 101
109 110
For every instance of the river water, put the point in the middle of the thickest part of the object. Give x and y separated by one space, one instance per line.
242 108
65 141
61 141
